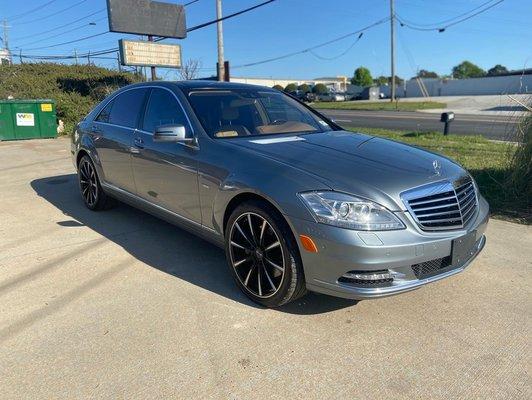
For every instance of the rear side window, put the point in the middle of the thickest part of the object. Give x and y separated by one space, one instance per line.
127 107
104 114
162 109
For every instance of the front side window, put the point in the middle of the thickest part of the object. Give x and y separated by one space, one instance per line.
162 109
252 112
127 107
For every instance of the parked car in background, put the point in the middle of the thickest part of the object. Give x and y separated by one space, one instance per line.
305 97
331 96
296 202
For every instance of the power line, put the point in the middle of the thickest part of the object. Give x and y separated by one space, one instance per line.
113 50
443 28
71 41
62 33
62 26
22 15
448 19
214 21
53 14
341 54
309 49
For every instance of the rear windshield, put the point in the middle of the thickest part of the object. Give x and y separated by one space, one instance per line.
249 112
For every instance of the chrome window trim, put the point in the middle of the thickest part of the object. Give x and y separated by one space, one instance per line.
115 95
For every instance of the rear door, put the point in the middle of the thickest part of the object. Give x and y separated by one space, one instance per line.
113 133
166 173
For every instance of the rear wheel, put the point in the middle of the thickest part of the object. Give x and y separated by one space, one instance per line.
263 255
89 185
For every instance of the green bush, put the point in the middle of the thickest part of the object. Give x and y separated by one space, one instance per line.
278 87
290 87
320 88
76 89
304 88
519 182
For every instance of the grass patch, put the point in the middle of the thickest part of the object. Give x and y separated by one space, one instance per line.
488 162
380 105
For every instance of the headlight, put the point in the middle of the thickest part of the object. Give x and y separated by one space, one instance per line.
345 211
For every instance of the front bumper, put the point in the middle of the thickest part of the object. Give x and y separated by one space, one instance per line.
342 250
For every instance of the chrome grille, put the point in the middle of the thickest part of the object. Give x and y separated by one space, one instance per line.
442 205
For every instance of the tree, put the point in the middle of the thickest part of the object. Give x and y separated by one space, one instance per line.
290 87
362 77
423 73
386 80
467 69
398 80
304 88
190 69
278 87
497 70
320 88
381 80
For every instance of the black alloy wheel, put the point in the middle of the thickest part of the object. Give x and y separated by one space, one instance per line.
263 255
89 185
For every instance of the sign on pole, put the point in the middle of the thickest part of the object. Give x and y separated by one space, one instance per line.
145 17
150 54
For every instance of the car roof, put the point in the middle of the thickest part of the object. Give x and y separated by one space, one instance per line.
191 85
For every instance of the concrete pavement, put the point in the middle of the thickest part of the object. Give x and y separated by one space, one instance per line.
118 304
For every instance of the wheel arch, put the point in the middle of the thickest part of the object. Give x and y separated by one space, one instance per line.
247 196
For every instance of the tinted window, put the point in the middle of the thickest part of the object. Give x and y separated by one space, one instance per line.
127 107
104 114
251 112
162 109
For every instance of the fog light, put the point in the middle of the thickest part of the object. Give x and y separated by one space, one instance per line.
368 275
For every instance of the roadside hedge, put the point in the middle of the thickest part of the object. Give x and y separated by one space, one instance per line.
75 88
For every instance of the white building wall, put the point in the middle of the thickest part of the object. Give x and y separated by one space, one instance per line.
513 84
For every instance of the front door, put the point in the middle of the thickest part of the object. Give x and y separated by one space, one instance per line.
166 174
113 132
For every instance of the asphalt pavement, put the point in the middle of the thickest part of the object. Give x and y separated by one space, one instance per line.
119 304
491 127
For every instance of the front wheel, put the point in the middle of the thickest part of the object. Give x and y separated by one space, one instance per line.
263 256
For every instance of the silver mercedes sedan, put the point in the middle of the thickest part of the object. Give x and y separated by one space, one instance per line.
297 202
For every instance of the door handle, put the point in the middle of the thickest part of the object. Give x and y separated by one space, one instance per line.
138 142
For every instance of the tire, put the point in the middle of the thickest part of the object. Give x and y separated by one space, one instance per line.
91 191
255 258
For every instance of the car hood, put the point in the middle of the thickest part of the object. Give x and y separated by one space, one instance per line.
363 165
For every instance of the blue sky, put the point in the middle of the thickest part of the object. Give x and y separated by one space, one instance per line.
501 35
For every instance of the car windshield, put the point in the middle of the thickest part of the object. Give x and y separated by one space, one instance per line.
251 112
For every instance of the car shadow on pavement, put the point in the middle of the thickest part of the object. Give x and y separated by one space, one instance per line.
163 246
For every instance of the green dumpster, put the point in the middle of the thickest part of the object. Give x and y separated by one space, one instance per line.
27 119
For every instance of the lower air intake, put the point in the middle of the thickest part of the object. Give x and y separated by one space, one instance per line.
430 268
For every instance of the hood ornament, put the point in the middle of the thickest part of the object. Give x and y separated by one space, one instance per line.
437 167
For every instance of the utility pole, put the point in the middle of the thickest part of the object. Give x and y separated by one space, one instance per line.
221 70
5 39
76 56
118 61
392 29
153 73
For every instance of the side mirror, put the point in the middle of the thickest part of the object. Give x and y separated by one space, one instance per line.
171 133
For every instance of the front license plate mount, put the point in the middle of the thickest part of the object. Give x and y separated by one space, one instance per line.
463 248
